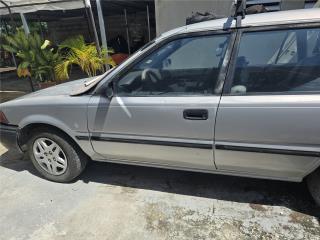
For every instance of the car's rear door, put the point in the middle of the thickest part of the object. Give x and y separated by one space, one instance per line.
269 114
165 104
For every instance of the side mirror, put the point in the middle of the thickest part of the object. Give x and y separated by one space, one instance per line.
109 91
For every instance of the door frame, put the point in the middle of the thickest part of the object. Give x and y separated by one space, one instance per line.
217 90
243 148
232 63
224 67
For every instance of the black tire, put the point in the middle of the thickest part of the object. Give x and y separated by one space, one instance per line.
76 159
313 181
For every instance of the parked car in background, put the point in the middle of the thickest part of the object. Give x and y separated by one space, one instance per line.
208 97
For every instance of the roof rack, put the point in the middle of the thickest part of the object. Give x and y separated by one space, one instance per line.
239 11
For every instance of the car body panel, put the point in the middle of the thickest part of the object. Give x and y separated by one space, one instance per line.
273 122
9 136
164 140
158 124
52 106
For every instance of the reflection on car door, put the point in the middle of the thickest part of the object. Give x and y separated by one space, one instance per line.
268 118
165 106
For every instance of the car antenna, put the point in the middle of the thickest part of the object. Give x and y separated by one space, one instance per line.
239 11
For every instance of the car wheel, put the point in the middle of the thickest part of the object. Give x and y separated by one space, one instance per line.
56 157
314 185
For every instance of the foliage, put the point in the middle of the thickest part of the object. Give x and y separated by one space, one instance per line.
37 59
76 52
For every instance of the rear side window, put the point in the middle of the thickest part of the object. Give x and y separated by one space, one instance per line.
278 61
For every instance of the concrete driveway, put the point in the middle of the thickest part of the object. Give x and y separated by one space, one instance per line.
112 201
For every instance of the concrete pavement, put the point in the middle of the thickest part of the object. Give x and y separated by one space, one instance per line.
112 201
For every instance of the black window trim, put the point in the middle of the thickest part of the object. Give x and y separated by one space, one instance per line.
221 77
232 63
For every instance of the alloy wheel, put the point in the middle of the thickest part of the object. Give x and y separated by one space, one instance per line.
50 156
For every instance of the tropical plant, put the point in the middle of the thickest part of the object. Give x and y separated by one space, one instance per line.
76 51
37 58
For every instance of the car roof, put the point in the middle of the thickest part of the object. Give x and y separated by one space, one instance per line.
261 19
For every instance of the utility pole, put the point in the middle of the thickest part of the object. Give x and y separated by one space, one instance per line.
26 32
102 30
87 5
25 24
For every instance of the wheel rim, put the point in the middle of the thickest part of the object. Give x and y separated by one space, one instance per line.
50 156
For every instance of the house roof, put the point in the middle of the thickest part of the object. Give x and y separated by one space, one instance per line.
25 6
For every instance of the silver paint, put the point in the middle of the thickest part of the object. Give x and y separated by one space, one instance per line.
279 122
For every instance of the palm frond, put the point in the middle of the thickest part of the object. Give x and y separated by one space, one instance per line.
76 42
10 48
33 50
82 54
11 41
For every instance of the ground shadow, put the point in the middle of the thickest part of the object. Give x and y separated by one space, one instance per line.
294 196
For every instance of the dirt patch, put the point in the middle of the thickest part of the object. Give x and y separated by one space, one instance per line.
258 207
305 221
128 190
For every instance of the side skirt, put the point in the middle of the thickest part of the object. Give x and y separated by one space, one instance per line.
220 172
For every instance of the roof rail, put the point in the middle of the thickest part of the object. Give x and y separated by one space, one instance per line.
239 11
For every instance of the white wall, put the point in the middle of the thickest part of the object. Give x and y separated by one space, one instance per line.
173 13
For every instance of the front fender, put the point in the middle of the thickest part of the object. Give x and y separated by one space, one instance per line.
46 119
80 138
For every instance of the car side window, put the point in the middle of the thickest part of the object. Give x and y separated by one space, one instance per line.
186 66
280 61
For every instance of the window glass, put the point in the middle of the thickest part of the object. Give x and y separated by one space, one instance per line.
278 61
182 67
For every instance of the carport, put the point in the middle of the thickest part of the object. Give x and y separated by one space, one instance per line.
98 20
123 25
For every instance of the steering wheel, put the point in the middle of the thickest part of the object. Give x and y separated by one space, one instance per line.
152 75
150 79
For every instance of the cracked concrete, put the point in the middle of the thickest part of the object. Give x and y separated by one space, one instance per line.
112 201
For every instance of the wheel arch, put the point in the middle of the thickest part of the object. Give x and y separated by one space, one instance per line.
33 121
26 131
315 169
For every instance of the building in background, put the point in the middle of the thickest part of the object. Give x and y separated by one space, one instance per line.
123 25
173 13
127 24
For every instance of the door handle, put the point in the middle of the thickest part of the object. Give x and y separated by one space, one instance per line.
195 114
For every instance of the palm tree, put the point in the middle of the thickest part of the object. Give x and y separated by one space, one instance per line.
76 51
37 59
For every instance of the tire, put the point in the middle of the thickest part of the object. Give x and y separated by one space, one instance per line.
313 181
74 159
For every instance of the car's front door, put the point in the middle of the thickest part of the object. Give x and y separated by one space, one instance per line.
164 107
268 119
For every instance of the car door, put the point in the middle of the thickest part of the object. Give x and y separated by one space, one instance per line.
164 106
268 118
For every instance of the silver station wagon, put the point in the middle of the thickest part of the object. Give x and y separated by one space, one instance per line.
216 97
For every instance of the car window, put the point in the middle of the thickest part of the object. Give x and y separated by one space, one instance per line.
187 66
278 61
